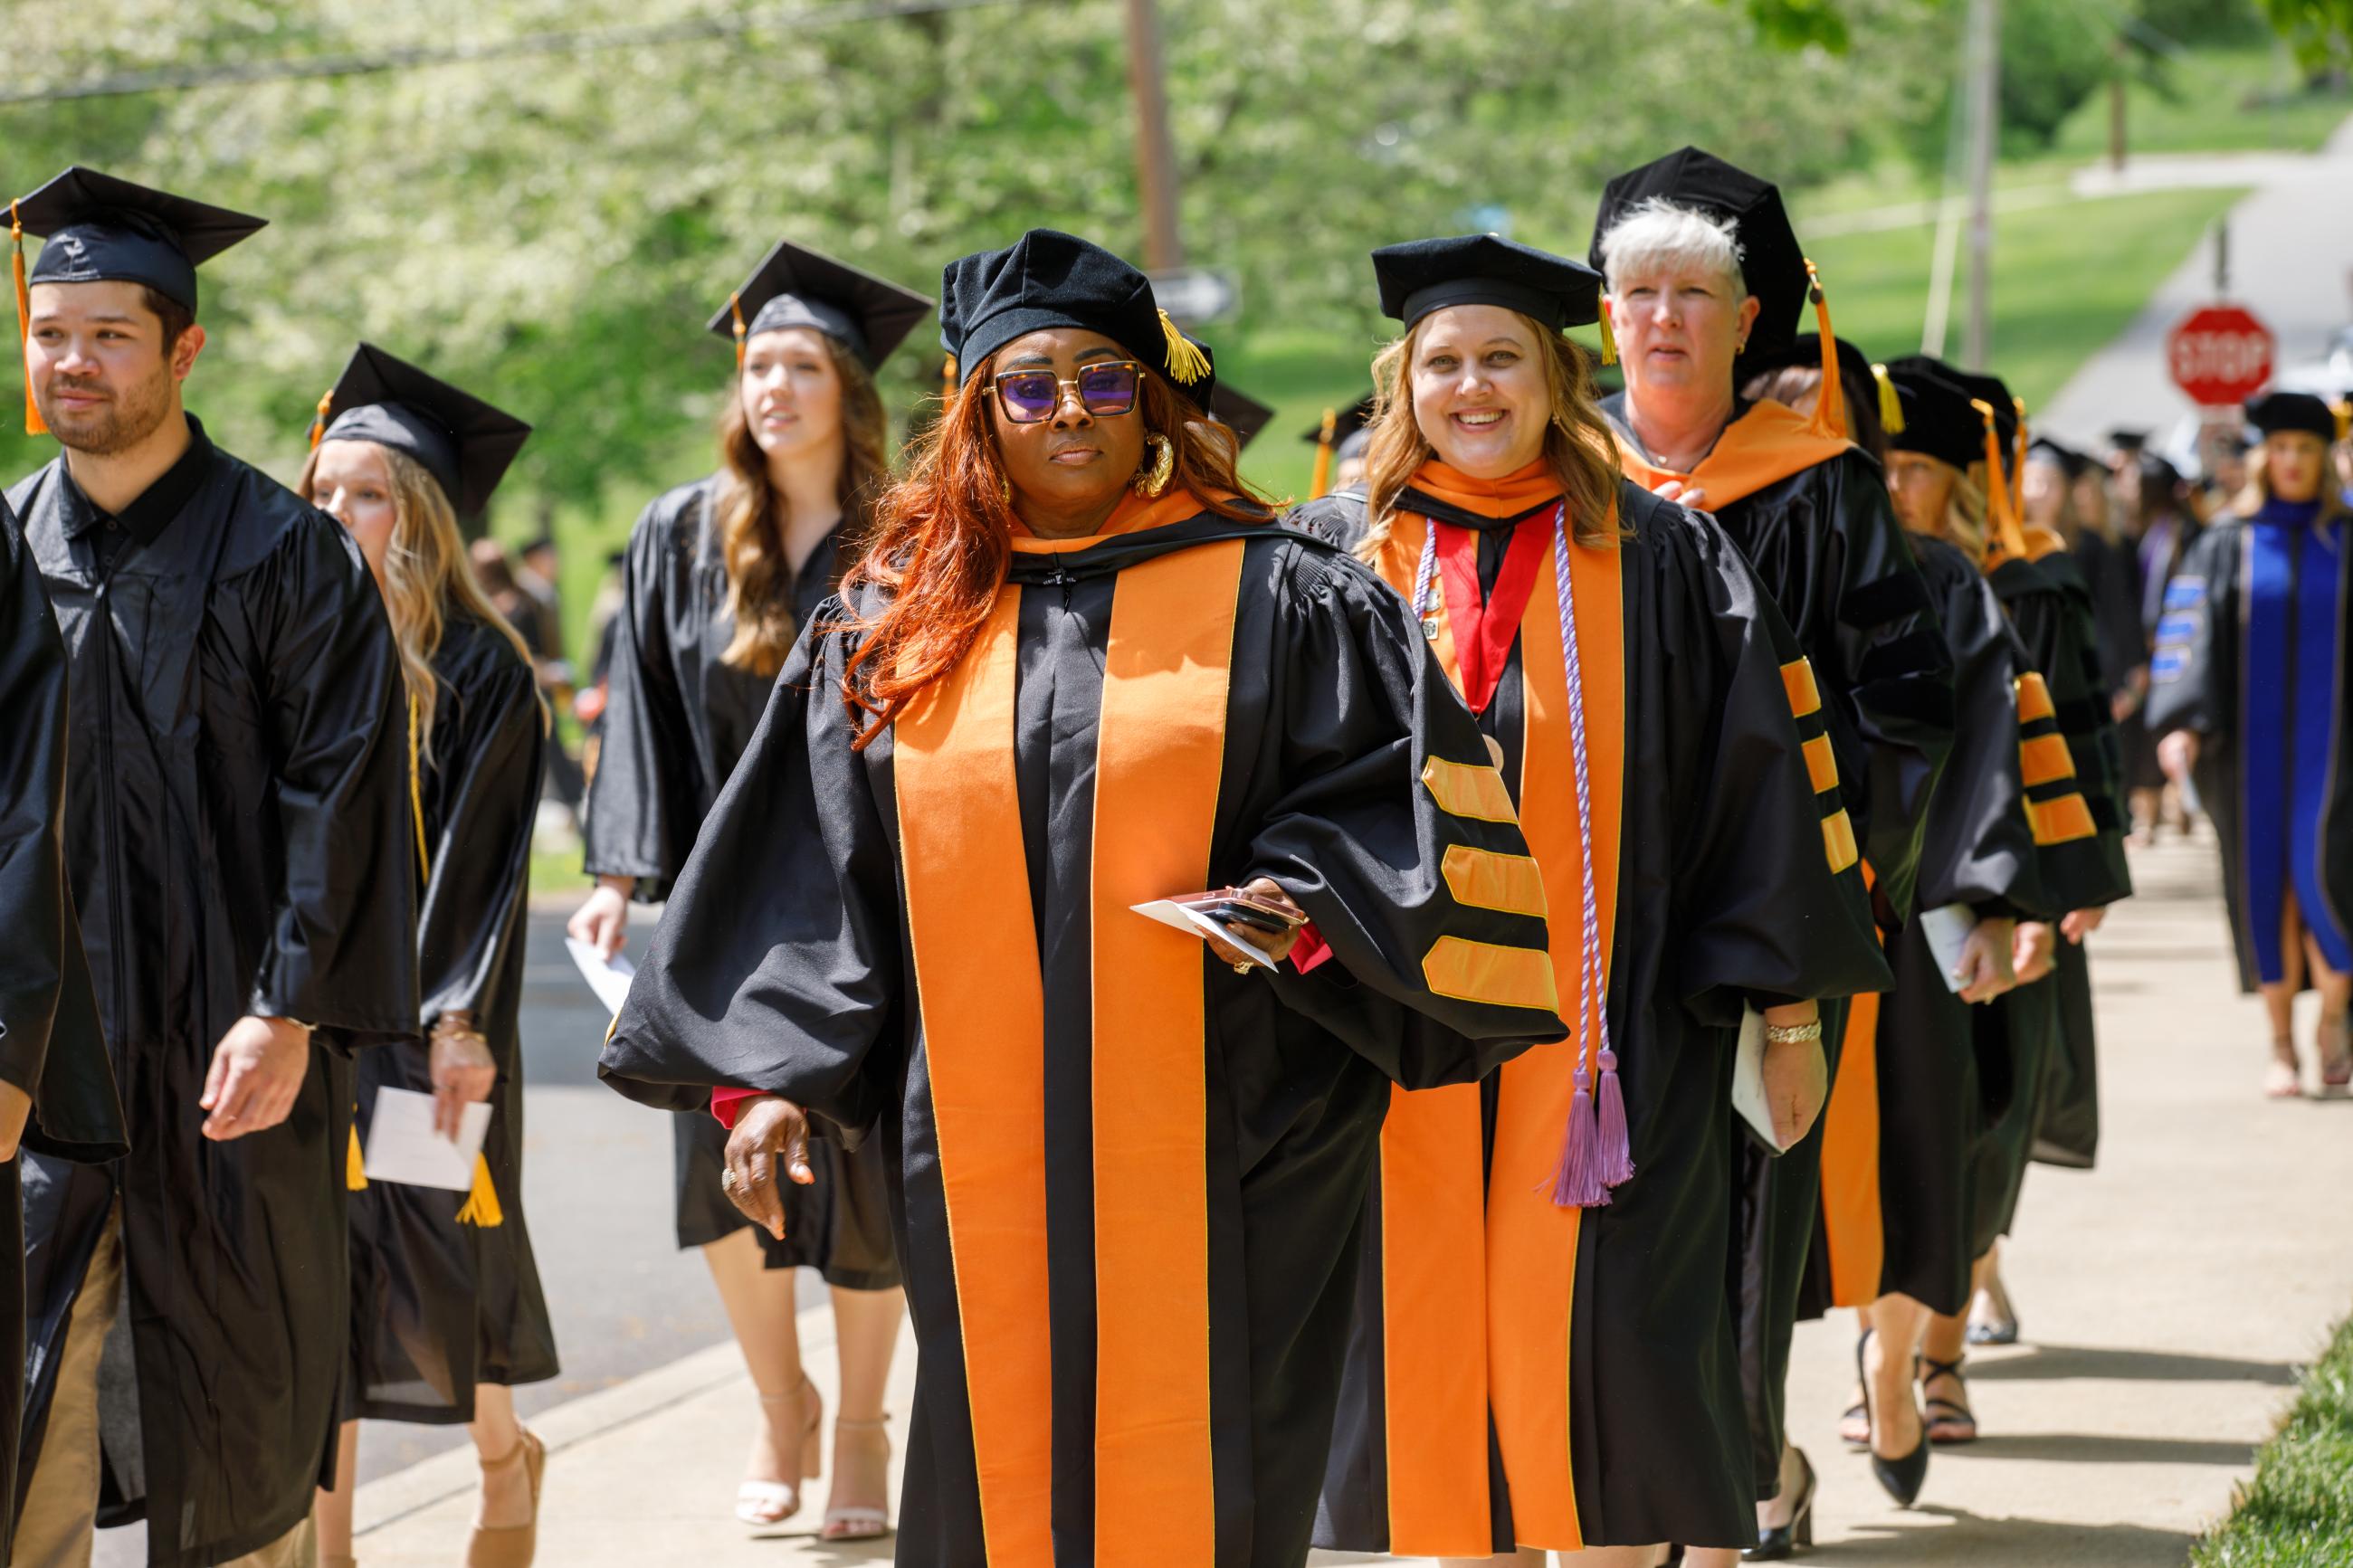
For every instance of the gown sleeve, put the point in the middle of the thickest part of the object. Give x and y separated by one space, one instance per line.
1374 742
341 953
1900 671
641 815
489 763
2193 675
1979 845
778 964
51 1046
1772 903
2079 871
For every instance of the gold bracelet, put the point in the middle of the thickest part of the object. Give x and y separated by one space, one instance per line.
1794 1034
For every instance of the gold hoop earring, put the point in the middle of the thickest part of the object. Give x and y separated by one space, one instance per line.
1164 464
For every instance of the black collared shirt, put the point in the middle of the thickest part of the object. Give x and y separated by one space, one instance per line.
157 505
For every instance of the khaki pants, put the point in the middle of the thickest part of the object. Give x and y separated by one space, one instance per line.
59 1524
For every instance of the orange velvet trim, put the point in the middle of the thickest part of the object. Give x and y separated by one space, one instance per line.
1853 1225
983 1013
1821 763
1797 680
1838 840
2033 699
2044 760
1763 447
1160 755
2061 821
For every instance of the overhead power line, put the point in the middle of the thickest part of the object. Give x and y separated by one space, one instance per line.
582 40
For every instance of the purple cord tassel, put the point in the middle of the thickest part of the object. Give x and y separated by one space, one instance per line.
1577 1181
1617 1146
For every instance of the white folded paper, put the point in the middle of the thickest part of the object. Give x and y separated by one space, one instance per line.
1946 927
403 1147
1192 922
609 978
1749 1080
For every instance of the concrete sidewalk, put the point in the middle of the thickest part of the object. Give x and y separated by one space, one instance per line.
2167 1299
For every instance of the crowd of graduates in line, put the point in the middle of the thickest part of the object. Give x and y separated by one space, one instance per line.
1622 861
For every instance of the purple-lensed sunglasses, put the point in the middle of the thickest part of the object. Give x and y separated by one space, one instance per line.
1030 397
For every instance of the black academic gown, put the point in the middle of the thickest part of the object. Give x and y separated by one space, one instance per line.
1943 1072
801 954
239 841
2252 659
2110 581
1725 895
2078 823
676 720
445 1291
51 1046
1834 560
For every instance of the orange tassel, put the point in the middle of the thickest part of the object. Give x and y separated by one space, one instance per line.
34 424
482 1202
354 1165
1829 408
2018 465
318 420
2009 541
735 309
1320 484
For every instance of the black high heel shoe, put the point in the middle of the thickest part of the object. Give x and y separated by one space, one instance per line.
1779 1542
1900 1478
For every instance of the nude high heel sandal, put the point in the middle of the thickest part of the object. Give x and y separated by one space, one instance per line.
764 1505
512 1545
855 1521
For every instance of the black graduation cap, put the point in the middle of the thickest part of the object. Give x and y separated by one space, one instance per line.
1048 279
1350 428
793 287
1245 414
460 439
1772 264
2124 438
1940 420
2277 412
104 230
1425 275
2072 463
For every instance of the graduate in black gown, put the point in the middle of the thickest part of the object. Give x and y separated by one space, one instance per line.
2067 761
1542 1357
446 1311
241 849
1940 1071
57 1091
1707 280
721 577
2248 694
1079 670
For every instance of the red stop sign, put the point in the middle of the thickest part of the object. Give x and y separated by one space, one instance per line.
2221 356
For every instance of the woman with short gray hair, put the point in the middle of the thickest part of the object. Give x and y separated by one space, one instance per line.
1704 279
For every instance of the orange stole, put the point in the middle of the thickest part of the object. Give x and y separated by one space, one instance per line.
1160 750
1763 447
1450 1258
1853 1230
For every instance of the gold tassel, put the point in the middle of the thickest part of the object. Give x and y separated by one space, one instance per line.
2018 464
1891 407
1609 336
1320 484
2011 542
735 309
354 1165
34 424
2344 412
482 1202
1187 362
1830 407
318 420
416 798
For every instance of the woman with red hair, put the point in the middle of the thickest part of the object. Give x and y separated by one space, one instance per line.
1078 671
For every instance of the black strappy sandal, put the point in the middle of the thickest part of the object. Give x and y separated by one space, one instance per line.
1946 1415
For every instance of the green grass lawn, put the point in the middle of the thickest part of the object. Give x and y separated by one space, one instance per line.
2298 1510
2214 99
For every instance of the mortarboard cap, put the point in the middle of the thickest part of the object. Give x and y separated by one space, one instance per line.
1425 275
1245 414
2124 438
1940 419
793 287
1345 423
100 229
2276 412
1772 264
461 440
2070 462
1047 279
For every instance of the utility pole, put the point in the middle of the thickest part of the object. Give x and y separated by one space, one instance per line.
1985 124
1155 150
2123 56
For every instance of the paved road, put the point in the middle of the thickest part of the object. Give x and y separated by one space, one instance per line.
2291 261
2167 1299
